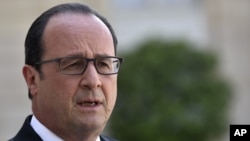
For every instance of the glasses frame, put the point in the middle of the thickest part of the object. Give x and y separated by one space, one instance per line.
58 60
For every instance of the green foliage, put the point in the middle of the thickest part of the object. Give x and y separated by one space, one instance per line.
168 91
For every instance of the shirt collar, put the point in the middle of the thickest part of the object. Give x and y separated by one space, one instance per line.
44 132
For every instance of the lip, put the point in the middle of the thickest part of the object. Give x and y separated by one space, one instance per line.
89 104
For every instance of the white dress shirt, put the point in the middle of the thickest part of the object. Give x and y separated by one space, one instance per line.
44 132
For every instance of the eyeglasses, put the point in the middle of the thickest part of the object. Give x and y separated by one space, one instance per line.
107 65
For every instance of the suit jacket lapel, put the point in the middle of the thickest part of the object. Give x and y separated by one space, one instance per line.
27 133
104 138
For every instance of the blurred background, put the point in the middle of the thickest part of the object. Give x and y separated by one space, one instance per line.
220 26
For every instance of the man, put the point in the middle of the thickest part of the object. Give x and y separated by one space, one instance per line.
71 73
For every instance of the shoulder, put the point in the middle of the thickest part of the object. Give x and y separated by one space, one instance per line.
26 133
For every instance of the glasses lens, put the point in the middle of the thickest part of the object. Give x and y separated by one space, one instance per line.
107 65
73 65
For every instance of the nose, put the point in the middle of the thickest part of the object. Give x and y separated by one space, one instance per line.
90 78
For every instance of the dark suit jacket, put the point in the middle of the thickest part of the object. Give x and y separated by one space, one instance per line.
27 133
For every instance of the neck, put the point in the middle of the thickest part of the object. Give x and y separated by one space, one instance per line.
78 135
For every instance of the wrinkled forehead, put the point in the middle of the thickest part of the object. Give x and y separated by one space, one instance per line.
73 27
73 21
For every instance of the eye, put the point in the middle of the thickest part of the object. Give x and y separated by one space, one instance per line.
104 63
72 63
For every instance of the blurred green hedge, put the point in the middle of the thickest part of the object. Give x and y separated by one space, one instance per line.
169 91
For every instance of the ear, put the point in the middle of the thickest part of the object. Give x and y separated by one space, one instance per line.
31 77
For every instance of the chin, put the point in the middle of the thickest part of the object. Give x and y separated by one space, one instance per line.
93 124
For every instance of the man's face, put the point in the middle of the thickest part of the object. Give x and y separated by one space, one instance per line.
72 103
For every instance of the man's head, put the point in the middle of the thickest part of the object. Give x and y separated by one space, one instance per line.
70 51
34 39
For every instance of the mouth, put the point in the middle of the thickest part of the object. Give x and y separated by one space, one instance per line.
90 103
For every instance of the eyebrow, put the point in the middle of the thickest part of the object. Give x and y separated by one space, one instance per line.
81 55
103 55
74 55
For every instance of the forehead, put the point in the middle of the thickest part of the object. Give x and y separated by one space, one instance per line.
78 31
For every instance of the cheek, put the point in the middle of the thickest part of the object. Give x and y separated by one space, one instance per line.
67 88
61 89
110 91
61 92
